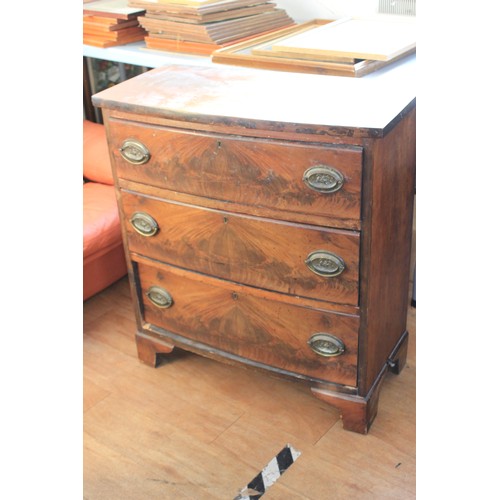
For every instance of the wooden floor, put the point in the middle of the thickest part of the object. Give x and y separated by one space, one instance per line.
197 429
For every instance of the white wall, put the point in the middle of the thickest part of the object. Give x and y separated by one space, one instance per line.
305 10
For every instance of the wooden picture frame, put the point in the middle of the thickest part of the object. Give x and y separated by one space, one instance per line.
251 53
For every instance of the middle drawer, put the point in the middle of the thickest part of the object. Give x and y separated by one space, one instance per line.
296 259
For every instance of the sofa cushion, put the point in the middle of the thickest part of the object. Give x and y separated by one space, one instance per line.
101 222
96 162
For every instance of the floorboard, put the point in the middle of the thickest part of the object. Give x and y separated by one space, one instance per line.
197 429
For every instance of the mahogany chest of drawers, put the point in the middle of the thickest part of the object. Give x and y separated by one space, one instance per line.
267 221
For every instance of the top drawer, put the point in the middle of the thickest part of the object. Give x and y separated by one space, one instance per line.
293 177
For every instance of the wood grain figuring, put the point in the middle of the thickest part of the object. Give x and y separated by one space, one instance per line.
194 428
262 173
235 319
238 208
263 253
265 294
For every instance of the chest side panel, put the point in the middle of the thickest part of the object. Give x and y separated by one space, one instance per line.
386 246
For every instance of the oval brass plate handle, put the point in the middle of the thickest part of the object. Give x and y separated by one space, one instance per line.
159 297
323 179
326 345
135 152
144 224
325 264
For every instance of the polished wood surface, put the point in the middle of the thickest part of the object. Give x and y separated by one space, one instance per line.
245 322
390 185
269 254
195 428
252 172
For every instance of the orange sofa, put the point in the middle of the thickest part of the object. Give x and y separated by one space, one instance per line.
103 254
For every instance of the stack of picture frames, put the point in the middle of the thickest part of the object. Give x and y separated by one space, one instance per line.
108 23
201 26
346 47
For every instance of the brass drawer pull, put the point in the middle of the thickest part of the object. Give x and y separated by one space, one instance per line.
326 345
135 152
144 224
159 297
323 179
325 264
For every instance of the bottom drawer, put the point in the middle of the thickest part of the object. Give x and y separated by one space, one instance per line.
256 325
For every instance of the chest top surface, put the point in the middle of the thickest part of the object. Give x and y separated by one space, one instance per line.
220 92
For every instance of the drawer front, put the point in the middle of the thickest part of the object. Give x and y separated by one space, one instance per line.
315 180
248 323
290 258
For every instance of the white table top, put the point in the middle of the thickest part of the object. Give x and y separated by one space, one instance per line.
136 53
